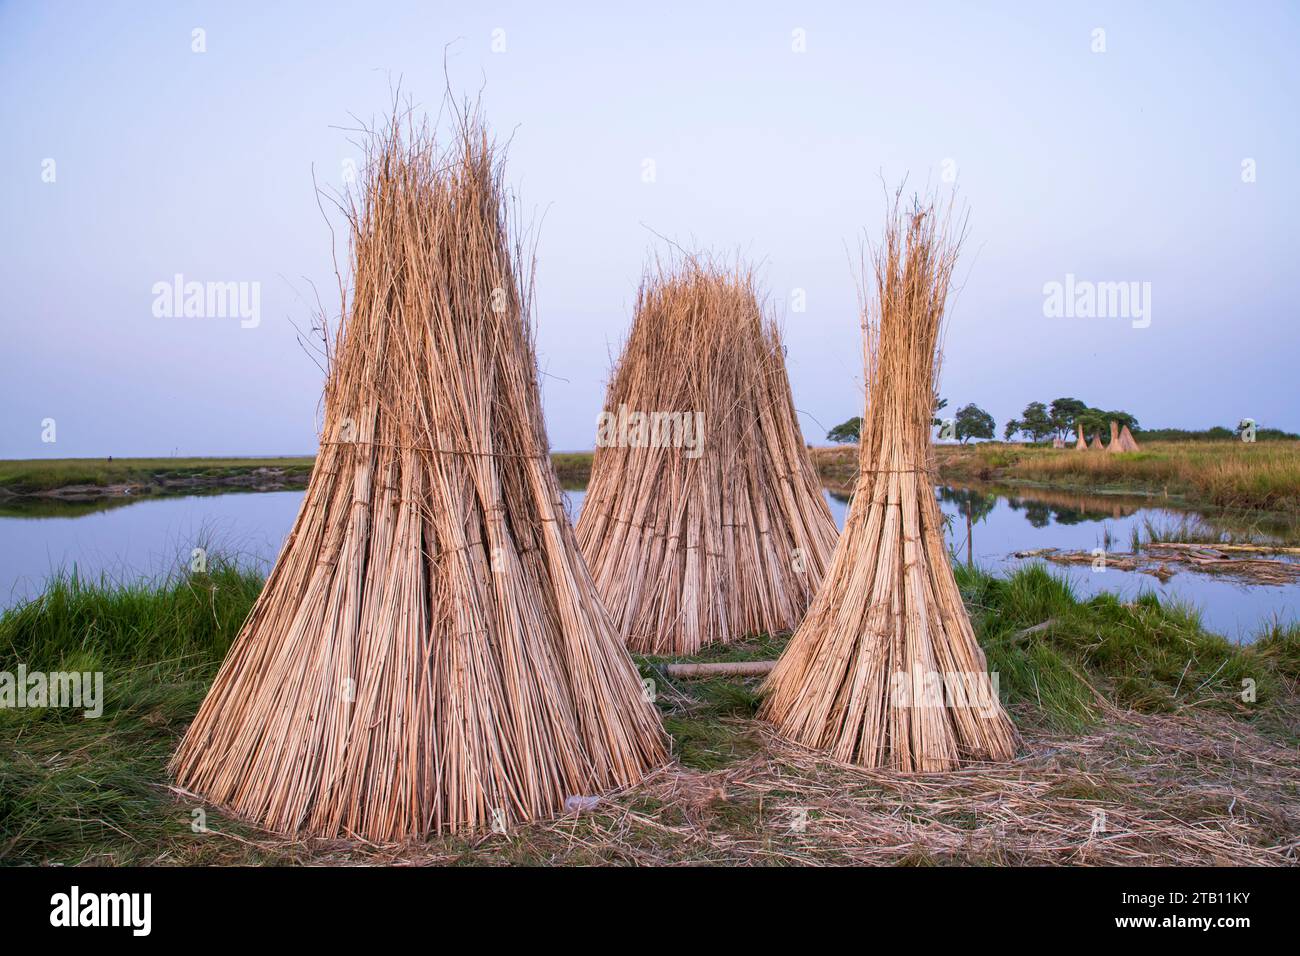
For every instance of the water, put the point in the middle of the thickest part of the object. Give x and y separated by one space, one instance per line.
146 539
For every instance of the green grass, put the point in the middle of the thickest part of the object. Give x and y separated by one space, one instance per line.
1225 474
1141 655
77 790
34 475
573 468
28 476
706 717
73 788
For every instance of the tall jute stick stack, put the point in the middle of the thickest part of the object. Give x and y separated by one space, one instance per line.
704 518
885 670
429 653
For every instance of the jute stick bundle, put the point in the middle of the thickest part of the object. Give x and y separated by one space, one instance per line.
1126 440
429 653
725 532
1115 444
885 670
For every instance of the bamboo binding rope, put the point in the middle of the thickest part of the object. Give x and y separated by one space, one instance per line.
885 670
695 545
429 653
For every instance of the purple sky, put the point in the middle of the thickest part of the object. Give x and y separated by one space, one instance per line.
1117 166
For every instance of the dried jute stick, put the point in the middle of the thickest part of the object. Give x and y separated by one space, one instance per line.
429 653
885 669
705 520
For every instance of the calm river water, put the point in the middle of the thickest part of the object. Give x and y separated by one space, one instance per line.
145 539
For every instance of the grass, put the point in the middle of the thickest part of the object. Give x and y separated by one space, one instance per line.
1142 655
1226 474
34 475
73 788
573 468
1110 698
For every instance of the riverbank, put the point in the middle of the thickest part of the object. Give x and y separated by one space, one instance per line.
1234 475
1146 741
96 479
90 479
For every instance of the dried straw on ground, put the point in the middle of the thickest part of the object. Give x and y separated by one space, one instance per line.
429 653
691 546
885 670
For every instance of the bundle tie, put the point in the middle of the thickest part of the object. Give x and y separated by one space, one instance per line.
441 451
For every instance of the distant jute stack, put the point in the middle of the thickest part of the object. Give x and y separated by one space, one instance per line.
885 670
1115 444
429 653
1126 440
704 518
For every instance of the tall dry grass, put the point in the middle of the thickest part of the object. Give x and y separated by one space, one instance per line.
1229 474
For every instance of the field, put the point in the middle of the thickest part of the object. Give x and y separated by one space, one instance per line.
1229 474
1140 747
42 475
1224 474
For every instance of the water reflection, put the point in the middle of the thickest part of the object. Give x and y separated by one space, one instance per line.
985 524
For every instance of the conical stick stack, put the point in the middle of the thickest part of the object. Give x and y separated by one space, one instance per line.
1115 444
1080 444
885 670
692 544
429 653
1126 440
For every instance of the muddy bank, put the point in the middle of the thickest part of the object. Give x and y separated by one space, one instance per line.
257 479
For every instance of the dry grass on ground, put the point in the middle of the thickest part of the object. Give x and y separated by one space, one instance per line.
1146 790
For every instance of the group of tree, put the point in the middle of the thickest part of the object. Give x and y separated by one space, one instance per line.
1217 433
969 422
1062 419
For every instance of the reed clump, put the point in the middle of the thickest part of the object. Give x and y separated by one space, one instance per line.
885 670
429 653
724 533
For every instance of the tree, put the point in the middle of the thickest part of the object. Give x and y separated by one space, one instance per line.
1065 413
844 432
1035 423
1097 420
1123 418
1013 426
974 422
939 405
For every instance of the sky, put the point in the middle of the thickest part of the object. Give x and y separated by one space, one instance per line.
1154 144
